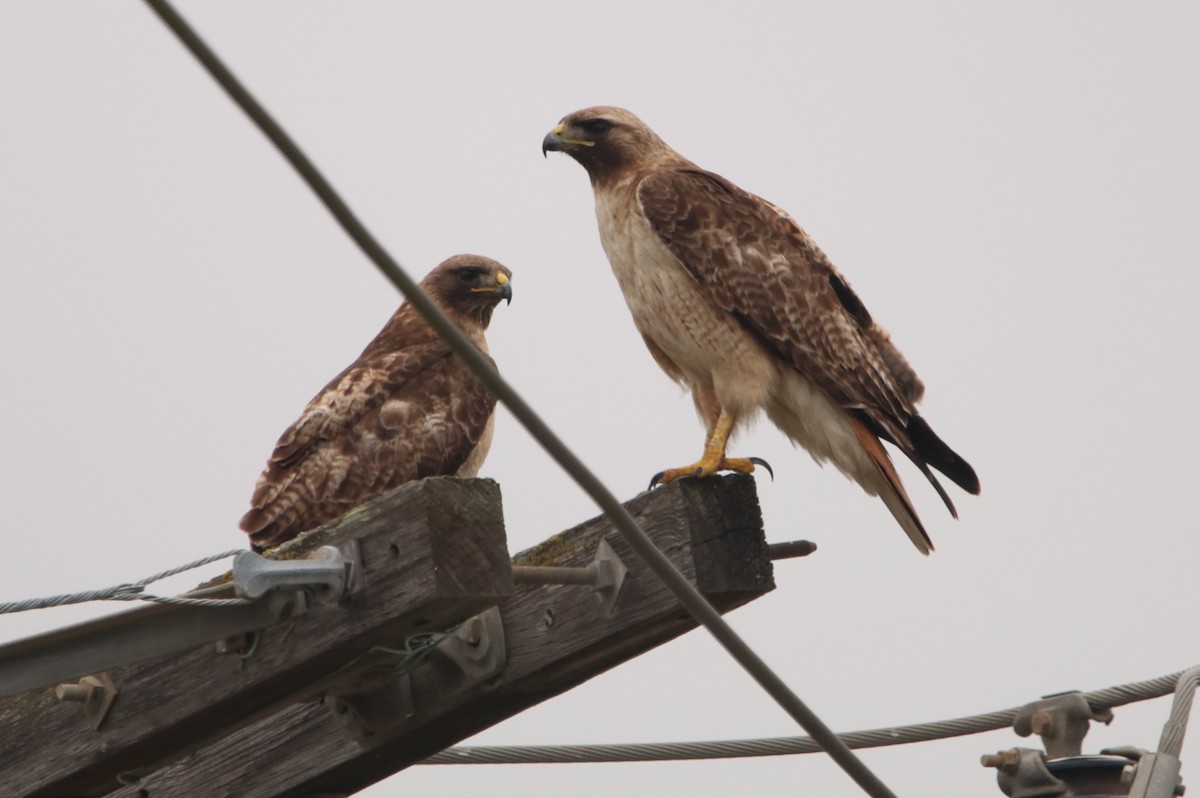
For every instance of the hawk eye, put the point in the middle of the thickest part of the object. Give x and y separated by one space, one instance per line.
468 275
596 127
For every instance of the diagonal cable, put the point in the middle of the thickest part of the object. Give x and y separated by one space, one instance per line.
687 595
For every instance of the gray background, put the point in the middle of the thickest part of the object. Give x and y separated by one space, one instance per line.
1012 189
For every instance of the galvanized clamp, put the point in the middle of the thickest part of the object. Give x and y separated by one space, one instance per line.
331 575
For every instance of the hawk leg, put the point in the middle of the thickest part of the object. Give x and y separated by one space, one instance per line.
714 459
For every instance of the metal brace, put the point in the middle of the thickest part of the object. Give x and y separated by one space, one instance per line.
334 572
374 699
95 693
1022 773
1061 720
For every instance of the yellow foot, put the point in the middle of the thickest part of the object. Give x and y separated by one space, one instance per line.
706 468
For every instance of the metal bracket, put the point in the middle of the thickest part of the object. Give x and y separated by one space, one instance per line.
374 699
1022 773
472 655
1154 776
1061 720
334 572
365 714
95 693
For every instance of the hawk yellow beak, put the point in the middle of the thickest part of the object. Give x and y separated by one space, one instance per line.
554 141
502 287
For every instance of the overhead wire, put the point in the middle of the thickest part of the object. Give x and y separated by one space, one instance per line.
782 746
130 591
688 596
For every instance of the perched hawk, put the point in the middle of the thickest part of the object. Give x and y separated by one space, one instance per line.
737 303
406 409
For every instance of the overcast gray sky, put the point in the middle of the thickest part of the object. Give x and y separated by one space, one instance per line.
1013 190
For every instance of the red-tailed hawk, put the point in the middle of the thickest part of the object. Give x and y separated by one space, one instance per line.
406 409
737 303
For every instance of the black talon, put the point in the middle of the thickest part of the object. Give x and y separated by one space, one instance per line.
654 480
764 464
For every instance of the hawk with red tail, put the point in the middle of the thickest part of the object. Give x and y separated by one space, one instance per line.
737 303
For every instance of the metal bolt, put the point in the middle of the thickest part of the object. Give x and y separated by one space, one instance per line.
1042 723
96 694
74 692
472 631
1004 760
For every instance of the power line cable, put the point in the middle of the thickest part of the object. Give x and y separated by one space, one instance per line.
781 746
130 591
688 596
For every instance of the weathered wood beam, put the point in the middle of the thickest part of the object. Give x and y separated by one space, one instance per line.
433 553
555 637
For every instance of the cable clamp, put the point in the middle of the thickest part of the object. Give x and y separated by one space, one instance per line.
1061 720
331 575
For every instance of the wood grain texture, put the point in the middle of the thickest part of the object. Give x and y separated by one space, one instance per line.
433 553
557 637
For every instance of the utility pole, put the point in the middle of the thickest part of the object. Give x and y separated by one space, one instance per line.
331 699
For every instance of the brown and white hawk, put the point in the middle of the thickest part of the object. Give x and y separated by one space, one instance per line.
737 303
406 409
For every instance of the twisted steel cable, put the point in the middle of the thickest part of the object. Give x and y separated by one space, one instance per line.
779 746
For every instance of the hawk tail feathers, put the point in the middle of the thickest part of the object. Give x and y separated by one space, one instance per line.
892 490
933 480
934 451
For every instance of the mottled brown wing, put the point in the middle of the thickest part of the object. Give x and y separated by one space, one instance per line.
758 264
386 420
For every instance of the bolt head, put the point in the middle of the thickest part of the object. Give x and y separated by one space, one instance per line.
1042 723
472 631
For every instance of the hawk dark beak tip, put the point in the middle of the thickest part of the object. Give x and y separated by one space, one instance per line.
551 142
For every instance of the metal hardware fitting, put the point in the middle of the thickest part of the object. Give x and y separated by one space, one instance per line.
792 548
334 571
385 707
604 575
1022 773
1061 720
374 698
472 655
1154 776
95 693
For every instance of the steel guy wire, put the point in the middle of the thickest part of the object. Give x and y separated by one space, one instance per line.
130 591
688 596
782 746
1171 741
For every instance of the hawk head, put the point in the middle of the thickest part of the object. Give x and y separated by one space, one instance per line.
470 285
606 141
